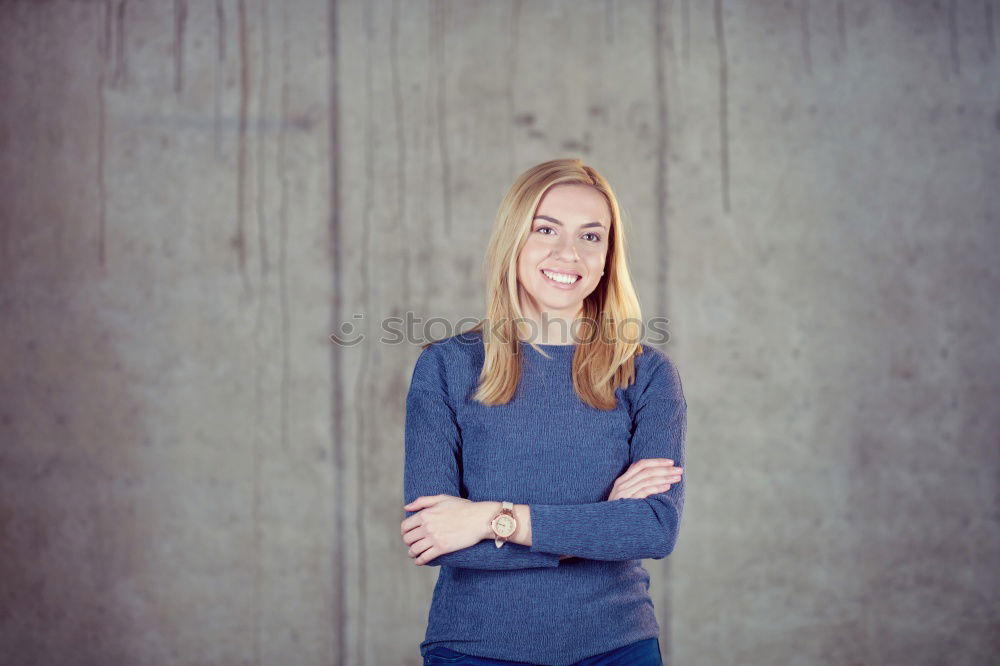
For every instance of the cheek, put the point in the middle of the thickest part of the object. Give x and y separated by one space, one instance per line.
531 256
524 270
595 259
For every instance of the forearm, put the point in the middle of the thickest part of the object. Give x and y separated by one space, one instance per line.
522 514
485 554
623 529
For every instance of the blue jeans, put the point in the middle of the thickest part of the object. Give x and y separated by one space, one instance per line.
640 653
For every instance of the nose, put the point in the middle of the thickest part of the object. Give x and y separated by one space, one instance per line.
566 250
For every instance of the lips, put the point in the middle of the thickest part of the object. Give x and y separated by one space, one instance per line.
561 285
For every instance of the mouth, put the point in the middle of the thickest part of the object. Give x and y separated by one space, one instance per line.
560 279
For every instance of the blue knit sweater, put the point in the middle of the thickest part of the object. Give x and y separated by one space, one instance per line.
552 451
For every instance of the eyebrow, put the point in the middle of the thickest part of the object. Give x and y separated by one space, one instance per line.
555 221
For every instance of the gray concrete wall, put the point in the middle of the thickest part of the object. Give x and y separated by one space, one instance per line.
194 195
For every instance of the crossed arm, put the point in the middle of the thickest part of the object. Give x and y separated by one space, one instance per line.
460 522
622 529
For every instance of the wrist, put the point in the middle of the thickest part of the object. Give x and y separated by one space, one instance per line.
490 509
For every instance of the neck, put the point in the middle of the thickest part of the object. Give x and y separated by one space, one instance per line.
553 328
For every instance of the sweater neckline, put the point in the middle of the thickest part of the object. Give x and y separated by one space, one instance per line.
550 348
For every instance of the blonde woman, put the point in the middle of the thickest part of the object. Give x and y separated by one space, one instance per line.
543 448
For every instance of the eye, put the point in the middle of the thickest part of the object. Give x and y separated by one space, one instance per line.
597 238
549 228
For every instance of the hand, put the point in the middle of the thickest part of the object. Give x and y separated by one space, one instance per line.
646 477
442 524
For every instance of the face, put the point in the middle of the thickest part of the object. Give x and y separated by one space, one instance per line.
568 240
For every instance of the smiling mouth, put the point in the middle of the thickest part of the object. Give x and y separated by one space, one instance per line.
564 279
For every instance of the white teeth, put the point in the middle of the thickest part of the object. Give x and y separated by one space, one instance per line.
559 277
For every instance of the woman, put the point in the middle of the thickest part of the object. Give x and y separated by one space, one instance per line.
543 447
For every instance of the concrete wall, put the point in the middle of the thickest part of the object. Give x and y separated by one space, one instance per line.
194 195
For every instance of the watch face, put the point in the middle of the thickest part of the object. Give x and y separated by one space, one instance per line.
504 525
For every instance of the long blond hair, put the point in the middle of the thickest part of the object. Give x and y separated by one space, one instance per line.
603 361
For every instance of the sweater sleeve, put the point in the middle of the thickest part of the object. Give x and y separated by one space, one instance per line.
627 528
432 467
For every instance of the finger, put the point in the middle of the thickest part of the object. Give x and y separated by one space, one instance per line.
647 479
640 466
646 464
411 522
416 520
417 547
651 489
656 464
426 556
419 502
660 478
425 501
414 534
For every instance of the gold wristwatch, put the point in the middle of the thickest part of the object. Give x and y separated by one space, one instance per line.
504 524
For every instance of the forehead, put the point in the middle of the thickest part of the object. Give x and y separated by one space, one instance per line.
574 203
